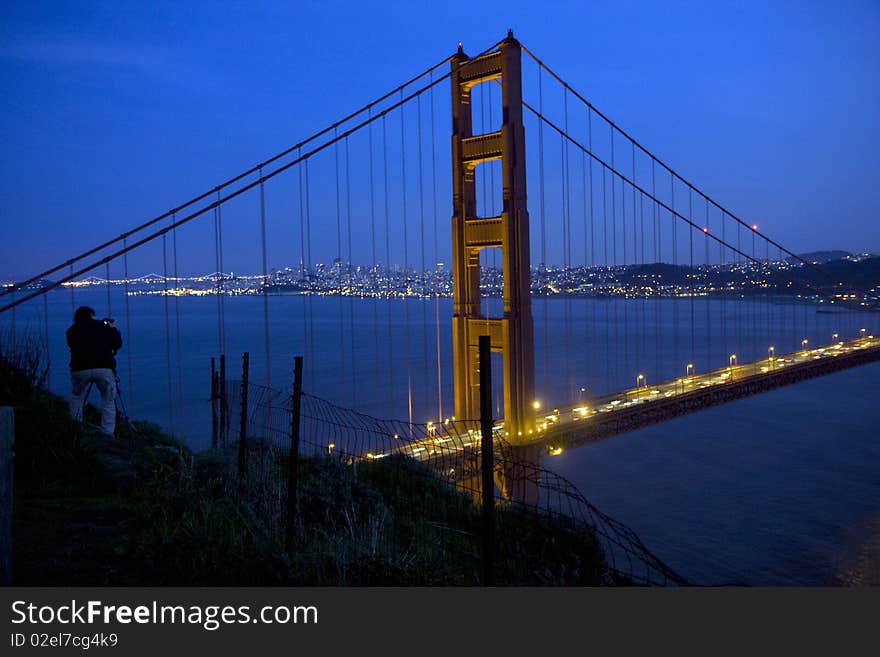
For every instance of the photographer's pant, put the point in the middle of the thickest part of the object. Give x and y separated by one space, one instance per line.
105 381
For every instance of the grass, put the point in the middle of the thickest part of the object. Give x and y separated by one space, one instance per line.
141 509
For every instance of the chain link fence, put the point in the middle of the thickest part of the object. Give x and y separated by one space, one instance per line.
374 499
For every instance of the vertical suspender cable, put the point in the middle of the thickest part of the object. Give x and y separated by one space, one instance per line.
128 339
605 284
622 282
390 341
311 344
222 277
373 271
169 384
436 290
675 324
593 299
566 245
755 300
691 289
217 277
72 296
739 319
350 268
304 278
656 284
615 288
583 270
727 276
546 328
635 261
109 302
709 289
265 287
180 410
643 291
337 266
406 271
422 289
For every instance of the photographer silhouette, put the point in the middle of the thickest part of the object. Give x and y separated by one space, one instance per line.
93 346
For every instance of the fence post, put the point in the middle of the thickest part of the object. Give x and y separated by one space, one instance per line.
487 461
293 461
7 470
242 429
224 406
214 393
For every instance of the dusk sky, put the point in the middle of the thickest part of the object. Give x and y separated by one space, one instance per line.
114 112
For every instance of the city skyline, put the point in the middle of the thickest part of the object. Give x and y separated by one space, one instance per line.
767 161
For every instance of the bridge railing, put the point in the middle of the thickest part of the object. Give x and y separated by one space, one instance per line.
423 483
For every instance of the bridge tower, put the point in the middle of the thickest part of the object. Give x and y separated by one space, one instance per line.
511 334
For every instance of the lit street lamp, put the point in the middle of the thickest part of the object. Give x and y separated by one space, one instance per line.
834 337
804 343
732 360
689 369
770 352
639 379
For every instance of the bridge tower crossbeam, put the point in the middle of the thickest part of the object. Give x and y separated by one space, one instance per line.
512 334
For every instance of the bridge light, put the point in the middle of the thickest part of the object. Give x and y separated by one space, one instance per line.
689 369
754 226
732 360
706 229
834 337
536 404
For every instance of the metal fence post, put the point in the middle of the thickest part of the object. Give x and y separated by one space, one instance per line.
487 461
242 429
7 470
293 460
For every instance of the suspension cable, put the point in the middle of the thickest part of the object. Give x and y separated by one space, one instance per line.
218 188
231 195
675 214
625 134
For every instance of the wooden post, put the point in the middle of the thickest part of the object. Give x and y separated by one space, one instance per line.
214 401
487 461
7 470
242 429
293 460
224 405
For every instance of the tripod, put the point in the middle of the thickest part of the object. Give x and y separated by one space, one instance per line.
120 404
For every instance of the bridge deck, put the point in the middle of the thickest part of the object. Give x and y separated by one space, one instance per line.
640 407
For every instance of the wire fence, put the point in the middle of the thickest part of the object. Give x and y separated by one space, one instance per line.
374 497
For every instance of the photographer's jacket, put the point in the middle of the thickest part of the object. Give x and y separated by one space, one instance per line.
93 344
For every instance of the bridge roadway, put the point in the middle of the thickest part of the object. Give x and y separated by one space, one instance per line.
638 407
628 410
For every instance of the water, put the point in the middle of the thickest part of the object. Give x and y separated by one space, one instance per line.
777 489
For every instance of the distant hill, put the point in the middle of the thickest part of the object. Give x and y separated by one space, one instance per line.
821 257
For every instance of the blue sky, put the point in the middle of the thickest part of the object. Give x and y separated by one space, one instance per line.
115 111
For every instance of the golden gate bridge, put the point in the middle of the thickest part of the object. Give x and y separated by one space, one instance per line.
690 305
